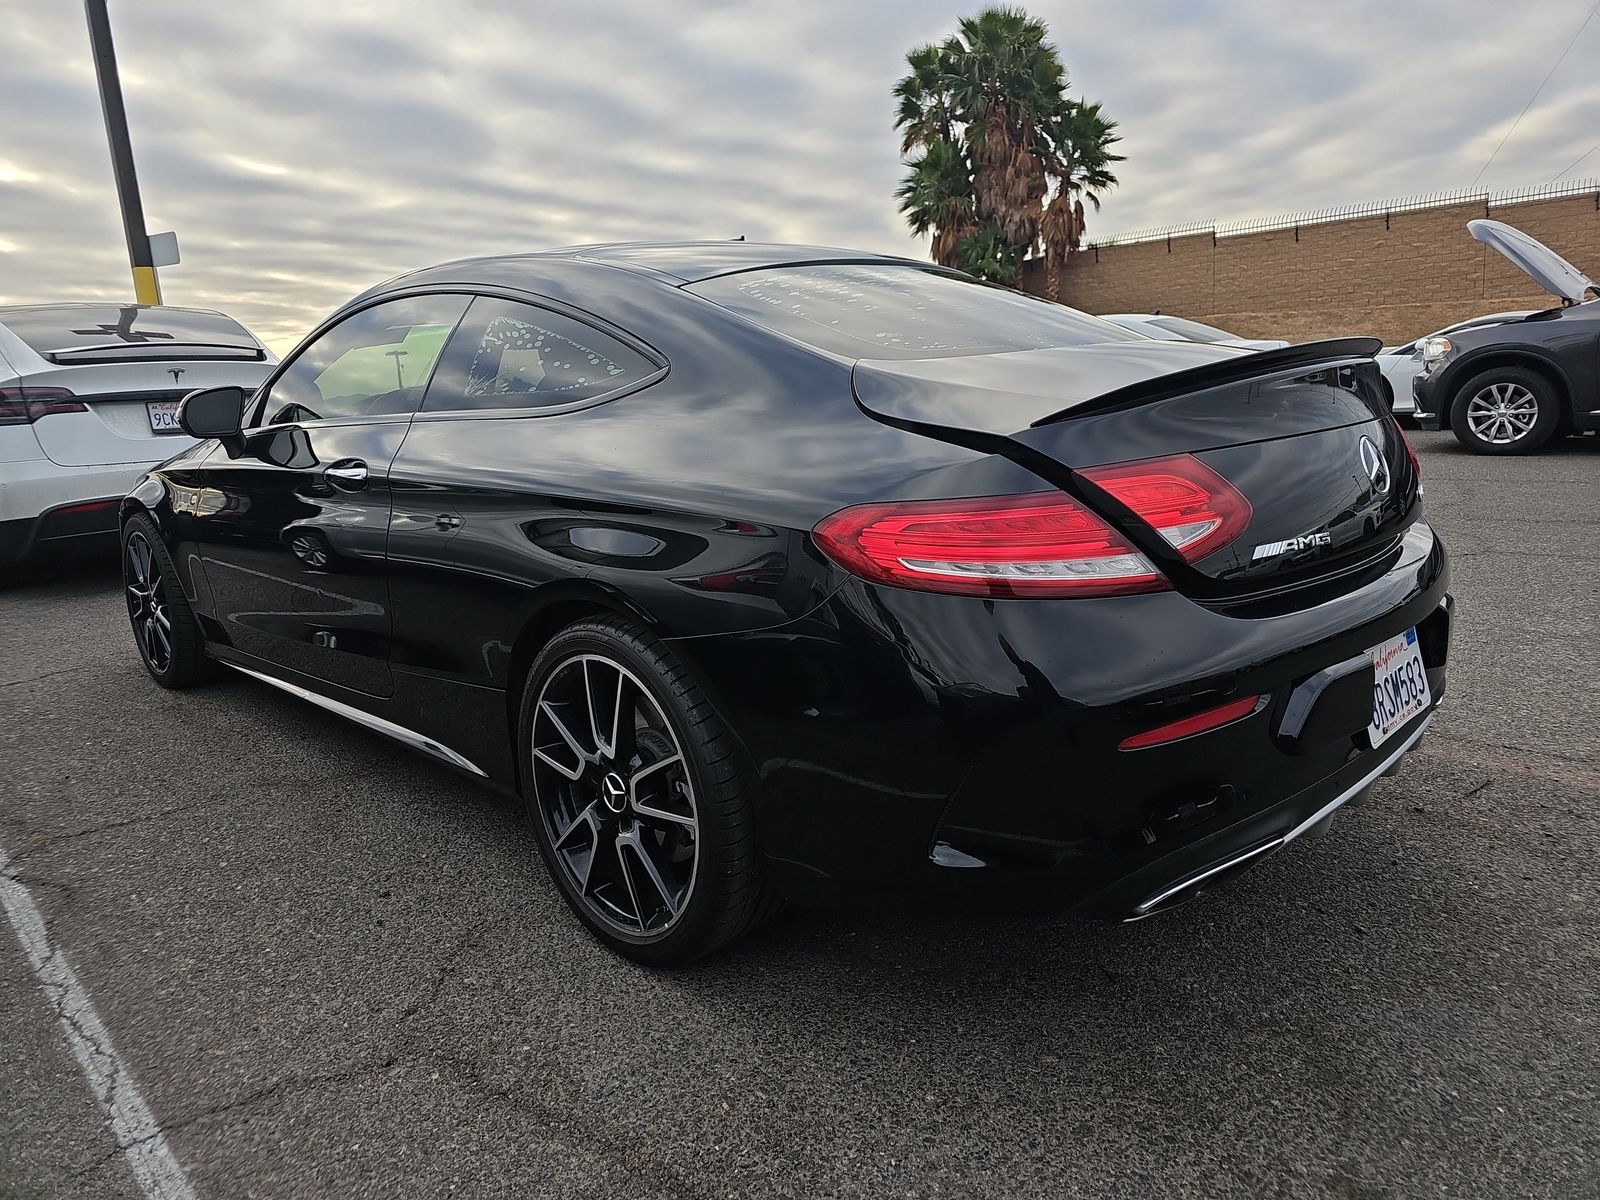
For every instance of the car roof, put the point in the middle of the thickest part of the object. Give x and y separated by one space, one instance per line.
674 262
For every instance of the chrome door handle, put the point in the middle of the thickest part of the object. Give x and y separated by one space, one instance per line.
352 475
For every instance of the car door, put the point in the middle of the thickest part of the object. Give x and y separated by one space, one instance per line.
292 533
484 511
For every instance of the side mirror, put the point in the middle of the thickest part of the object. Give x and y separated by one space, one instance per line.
216 412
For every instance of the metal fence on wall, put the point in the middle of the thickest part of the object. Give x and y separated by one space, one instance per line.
1353 212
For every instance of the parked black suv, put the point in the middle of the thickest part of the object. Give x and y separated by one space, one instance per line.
1509 389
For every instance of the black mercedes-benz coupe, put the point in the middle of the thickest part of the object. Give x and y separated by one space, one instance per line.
772 572
1509 388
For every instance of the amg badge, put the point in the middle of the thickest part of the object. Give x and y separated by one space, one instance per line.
1309 541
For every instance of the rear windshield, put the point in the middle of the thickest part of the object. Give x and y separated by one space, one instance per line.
1192 330
873 311
104 333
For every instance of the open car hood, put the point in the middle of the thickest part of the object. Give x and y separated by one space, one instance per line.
1542 264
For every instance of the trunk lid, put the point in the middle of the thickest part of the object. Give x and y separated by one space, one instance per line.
118 426
1302 433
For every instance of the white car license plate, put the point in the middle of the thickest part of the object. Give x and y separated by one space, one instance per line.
163 416
1399 684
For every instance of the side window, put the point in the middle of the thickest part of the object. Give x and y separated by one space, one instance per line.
372 363
511 355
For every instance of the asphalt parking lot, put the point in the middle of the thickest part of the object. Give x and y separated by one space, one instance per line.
334 969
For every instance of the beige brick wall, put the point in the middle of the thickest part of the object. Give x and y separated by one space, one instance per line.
1395 279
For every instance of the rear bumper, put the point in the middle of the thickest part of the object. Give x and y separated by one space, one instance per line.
916 749
65 528
45 507
1208 861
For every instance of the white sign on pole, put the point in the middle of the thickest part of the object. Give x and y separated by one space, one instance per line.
163 249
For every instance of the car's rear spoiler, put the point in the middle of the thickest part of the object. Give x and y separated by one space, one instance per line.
114 352
990 403
1324 354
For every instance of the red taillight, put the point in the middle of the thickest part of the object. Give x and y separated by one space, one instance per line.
1184 500
1043 544
1212 718
24 405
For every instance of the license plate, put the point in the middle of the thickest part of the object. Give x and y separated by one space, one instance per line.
163 416
1399 684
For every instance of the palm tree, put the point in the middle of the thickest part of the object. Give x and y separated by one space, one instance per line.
987 254
924 114
1079 159
989 110
936 197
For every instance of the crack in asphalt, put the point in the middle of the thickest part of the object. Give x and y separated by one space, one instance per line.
44 675
279 1087
1579 773
59 839
622 1153
69 891
445 969
291 1084
134 1128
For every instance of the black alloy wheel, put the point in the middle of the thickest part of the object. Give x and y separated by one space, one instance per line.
147 602
164 628
635 796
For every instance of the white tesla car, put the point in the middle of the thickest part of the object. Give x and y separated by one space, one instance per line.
1179 329
89 402
1402 364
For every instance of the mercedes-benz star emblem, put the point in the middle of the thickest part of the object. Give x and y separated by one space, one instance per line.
1372 463
614 792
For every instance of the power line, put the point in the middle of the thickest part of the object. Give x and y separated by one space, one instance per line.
1579 159
1535 96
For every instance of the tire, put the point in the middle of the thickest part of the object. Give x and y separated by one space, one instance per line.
648 831
165 631
1505 410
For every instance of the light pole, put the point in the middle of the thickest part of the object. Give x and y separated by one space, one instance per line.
146 287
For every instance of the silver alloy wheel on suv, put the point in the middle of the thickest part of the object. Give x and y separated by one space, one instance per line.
1502 413
1508 409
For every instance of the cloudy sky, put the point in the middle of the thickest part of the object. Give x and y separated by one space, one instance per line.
304 149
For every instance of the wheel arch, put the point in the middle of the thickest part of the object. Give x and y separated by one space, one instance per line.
147 498
560 605
1469 369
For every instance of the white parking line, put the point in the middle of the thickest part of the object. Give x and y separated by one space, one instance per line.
128 1116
